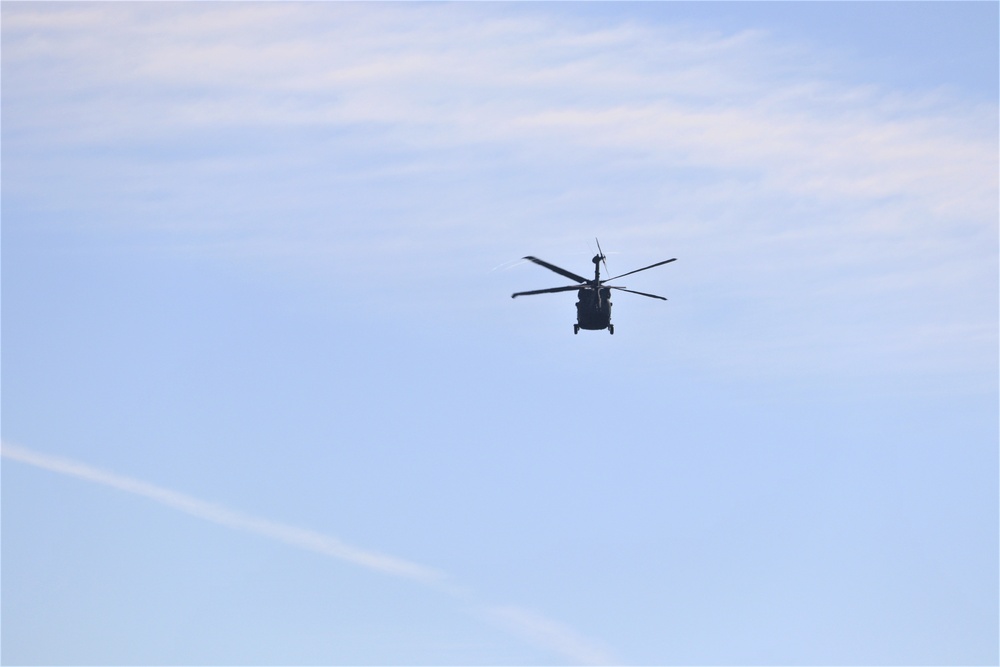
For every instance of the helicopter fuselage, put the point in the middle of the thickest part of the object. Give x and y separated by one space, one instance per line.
593 309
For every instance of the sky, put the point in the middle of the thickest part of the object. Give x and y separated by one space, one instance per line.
267 400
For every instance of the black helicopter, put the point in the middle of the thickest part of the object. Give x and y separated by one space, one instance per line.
593 310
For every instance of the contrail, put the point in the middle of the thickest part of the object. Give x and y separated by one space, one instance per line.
296 537
555 636
529 625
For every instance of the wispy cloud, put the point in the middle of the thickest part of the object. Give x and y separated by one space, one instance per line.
440 77
420 133
531 626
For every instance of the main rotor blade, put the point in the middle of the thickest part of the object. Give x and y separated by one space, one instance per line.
560 271
666 261
568 288
632 291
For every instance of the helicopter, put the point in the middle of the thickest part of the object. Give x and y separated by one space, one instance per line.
593 310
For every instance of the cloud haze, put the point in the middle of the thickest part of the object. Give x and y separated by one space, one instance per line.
272 133
418 81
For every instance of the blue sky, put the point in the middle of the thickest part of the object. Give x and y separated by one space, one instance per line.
267 399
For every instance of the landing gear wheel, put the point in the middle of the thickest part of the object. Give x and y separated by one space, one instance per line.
611 329
576 329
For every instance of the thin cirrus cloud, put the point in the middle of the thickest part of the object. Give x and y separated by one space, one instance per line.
431 88
437 78
531 626
301 130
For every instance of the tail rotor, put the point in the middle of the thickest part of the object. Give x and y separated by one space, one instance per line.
600 253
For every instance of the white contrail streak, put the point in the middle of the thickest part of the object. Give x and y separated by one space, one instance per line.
296 537
530 625
556 636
